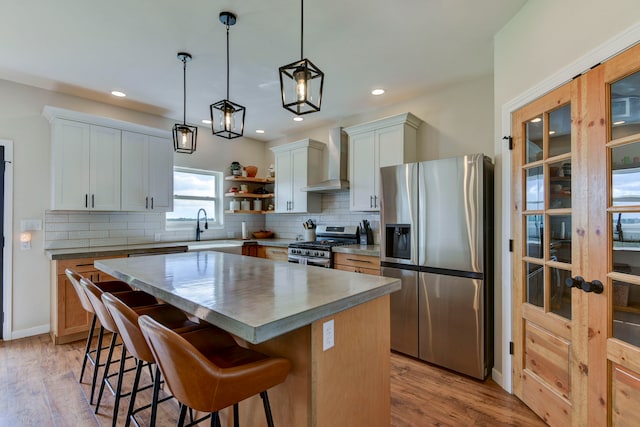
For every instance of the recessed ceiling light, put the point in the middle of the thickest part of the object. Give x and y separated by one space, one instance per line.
536 120
118 93
377 92
206 121
298 119
259 131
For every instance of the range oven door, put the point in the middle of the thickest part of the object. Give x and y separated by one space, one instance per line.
307 260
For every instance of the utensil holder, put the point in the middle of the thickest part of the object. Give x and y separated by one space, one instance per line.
309 235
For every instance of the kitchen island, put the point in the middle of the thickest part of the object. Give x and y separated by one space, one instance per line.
283 309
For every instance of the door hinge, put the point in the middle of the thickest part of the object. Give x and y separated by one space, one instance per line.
510 139
510 245
511 348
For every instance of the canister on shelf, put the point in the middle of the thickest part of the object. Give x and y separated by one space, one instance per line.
234 205
257 205
246 205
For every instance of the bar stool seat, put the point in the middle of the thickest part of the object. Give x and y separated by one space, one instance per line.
126 320
132 299
209 372
106 286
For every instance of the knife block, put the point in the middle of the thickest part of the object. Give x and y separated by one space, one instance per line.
366 237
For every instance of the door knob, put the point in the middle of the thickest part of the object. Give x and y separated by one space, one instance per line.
595 286
574 282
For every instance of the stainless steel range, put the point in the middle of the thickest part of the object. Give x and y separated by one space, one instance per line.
319 252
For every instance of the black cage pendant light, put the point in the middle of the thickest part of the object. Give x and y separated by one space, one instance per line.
227 118
301 82
184 136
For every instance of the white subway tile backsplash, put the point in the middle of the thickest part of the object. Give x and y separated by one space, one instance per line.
67 226
70 229
98 234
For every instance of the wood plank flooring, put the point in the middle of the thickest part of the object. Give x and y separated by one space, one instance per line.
39 387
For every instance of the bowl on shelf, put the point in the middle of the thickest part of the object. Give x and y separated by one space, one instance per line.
251 171
262 234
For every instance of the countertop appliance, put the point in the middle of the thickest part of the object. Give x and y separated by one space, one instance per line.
319 252
437 237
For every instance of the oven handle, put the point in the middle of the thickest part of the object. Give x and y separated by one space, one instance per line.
319 262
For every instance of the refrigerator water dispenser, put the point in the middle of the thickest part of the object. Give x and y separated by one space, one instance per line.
398 241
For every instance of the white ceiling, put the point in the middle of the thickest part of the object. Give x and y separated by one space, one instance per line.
88 48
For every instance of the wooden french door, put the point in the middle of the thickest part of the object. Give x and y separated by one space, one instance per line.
576 218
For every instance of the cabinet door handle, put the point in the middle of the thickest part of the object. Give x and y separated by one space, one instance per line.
93 200
359 260
370 201
375 201
86 200
152 203
146 202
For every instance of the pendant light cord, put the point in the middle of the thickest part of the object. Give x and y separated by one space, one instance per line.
184 91
227 60
301 28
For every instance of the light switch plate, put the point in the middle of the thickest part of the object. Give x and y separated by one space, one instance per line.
31 225
327 335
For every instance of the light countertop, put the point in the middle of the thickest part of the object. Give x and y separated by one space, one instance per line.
160 247
370 250
253 298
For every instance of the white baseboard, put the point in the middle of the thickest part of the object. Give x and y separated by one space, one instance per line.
23 333
499 379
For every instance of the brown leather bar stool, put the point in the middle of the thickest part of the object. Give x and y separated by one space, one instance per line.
105 286
131 298
209 373
126 320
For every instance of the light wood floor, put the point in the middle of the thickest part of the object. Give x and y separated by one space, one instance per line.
39 387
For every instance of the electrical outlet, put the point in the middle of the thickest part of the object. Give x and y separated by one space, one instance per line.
327 335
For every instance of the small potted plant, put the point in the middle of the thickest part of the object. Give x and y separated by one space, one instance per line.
235 168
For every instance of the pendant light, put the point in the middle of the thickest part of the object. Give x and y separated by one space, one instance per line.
301 82
227 118
184 136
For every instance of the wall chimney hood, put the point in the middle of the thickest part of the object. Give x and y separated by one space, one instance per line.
338 149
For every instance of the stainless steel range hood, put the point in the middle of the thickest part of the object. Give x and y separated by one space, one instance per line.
337 165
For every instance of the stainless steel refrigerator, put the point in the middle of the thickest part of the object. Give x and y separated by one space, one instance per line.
437 237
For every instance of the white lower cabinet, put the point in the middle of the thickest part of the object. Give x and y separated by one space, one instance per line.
86 166
384 142
298 165
147 173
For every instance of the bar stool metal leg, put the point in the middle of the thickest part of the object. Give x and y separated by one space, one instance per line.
87 349
97 364
105 375
267 408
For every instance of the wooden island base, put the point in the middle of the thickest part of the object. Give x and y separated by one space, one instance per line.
347 385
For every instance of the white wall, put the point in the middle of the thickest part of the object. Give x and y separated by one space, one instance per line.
546 41
457 120
21 120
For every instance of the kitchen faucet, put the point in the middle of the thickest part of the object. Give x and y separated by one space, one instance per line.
206 224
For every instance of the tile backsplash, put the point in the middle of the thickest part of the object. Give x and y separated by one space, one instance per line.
74 229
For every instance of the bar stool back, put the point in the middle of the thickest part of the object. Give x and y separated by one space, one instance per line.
131 298
126 320
216 377
109 286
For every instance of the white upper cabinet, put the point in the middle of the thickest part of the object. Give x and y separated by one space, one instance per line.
86 166
298 165
384 142
108 165
147 173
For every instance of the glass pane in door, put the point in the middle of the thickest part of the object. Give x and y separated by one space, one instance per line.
534 140
626 312
560 131
626 242
625 178
535 284
560 245
559 185
560 293
534 191
625 106
534 236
